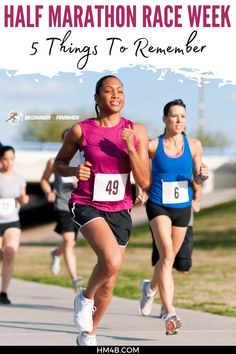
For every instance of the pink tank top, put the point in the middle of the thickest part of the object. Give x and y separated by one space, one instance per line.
109 187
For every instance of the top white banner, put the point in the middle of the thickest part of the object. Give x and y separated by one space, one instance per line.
192 37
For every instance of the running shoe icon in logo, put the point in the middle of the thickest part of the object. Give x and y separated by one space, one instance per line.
14 117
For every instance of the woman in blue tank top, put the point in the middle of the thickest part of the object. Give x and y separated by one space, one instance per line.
176 161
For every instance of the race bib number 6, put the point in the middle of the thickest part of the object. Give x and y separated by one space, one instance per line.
109 187
175 192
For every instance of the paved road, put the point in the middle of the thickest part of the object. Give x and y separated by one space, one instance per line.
43 315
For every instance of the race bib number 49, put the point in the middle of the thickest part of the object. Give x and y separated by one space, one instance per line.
7 206
175 192
109 187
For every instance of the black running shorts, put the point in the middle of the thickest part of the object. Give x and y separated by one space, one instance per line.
120 222
179 216
64 222
8 225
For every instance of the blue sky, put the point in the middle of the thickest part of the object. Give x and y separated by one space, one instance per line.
146 93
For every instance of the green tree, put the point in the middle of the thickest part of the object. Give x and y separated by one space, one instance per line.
44 130
216 139
48 130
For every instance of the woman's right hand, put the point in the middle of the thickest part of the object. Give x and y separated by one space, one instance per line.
51 197
141 199
196 206
84 171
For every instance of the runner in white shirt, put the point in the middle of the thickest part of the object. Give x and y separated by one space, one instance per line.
12 196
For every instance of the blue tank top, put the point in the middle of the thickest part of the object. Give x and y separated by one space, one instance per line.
171 177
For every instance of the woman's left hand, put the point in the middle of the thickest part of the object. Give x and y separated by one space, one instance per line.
204 172
127 135
23 199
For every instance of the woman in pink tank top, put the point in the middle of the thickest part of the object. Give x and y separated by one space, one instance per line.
100 206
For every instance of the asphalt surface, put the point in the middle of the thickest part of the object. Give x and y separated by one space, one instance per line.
42 315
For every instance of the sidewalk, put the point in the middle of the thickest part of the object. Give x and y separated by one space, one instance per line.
42 315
